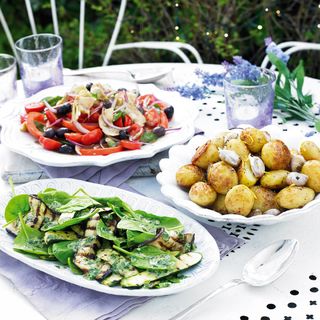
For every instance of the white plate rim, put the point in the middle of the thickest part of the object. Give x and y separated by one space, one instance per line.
211 256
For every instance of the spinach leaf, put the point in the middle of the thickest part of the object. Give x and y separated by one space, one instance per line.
53 198
144 226
135 237
149 137
74 269
17 204
119 207
52 100
78 204
65 249
30 240
104 232
76 220
150 258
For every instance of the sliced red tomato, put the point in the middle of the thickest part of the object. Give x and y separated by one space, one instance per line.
69 125
69 115
23 118
131 145
49 144
119 122
152 118
35 107
75 137
93 136
92 118
51 116
99 151
135 131
127 121
161 105
164 122
32 118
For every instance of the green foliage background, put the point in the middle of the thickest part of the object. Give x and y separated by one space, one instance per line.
201 23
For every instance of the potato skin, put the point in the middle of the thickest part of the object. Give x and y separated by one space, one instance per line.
188 175
246 175
312 169
202 194
219 205
218 140
222 177
239 200
276 155
274 179
294 197
309 150
206 154
265 199
254 139
238 147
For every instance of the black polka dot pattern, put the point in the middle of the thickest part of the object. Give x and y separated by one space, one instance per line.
292 305
294 292
271 306
314 289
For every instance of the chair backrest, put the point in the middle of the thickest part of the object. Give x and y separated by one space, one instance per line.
175 47
290 47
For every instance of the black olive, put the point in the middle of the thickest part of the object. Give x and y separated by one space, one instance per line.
64 109
122 89
123 135
89 85
60 132
159 131
66 148
107 104
169 112
49 133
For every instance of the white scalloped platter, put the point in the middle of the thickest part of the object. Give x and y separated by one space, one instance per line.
204 241
181 154
24 144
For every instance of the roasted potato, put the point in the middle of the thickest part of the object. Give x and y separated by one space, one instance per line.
238 147
309 150
239 200
218 140
206 154
265 199
294 197
254 138
219 205
274 179
222 177
276 155
246 175
202 194
312 169
188 175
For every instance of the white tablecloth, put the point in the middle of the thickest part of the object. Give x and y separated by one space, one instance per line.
288 298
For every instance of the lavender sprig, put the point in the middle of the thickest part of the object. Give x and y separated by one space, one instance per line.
193 91
274 49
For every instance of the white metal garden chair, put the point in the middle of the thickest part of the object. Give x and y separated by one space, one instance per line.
290 47
175 47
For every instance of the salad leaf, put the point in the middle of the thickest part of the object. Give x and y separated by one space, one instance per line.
64 250
104 232
78 204
76 220
135 237
118 115
150 258
149 137
53 198
30 240
18 204
74 269
121 208
52 100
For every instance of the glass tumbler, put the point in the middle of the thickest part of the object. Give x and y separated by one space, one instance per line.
8 77
249 102
40 62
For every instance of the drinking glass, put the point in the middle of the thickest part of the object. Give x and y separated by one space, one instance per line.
40 62
248 102
8 77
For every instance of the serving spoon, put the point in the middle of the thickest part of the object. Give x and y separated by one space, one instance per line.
263 268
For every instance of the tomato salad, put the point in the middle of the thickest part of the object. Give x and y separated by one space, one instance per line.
95 120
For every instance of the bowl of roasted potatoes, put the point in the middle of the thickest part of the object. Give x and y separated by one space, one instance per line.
249 175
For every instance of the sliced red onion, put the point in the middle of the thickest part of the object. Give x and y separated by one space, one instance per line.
137 135
80 127
77 143
49 107
126 97
55 122
111 125
119 109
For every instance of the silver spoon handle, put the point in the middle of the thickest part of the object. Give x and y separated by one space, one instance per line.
181 315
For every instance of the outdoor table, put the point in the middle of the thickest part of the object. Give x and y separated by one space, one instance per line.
294 296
